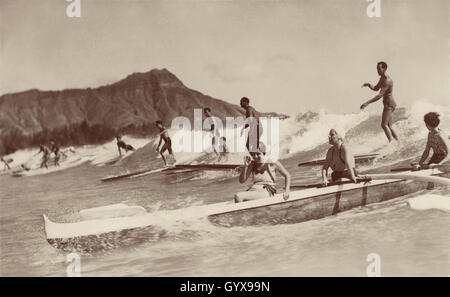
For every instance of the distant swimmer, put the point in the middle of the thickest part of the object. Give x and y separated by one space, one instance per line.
122 145
385 85
262 171
254 124
45 155
167 142
6 162
223 149
55 150
340 159
438 141
215 132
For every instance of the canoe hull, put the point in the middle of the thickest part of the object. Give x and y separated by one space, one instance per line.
320 206
303 205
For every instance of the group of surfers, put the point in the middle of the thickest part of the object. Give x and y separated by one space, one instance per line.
339 157
262 170
46 151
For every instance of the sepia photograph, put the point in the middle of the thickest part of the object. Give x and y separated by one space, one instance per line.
225 145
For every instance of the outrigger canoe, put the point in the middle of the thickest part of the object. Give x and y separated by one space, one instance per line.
303 205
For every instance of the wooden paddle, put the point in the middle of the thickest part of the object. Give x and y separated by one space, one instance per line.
417 176
358 159
320 185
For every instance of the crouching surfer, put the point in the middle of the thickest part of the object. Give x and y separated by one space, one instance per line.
122 145
340 159
262 171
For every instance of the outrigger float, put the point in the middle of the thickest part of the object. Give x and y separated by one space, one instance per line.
310 202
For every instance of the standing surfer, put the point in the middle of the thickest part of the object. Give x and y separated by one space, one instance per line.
253 123
385 85
215 133
45 155
55 150
167 142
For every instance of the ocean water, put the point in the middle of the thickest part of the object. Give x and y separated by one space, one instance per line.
409 242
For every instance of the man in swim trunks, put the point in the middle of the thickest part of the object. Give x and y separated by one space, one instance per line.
437 140
55 150
215 133
45 155
385 85
254 124
167 142
122 145
262 171
340 159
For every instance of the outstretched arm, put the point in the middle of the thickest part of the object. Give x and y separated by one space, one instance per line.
118 147
426 153
348 157
325 167
246 170
287 179
160 139
380 95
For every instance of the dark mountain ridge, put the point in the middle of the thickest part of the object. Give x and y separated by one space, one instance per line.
94 115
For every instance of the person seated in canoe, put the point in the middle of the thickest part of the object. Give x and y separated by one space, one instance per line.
262 171
437 140
164 135
55 150
223 149
340 159
122 145
6 163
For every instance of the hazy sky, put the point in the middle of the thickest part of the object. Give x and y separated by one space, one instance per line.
286 56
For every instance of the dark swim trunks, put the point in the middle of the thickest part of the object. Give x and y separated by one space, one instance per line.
436 159
167 146
335 175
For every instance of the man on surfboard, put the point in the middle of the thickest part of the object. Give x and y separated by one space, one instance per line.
262 171
340 159
385 85
122 145
55 150
437 140
253 123
167 142
45 155
215 133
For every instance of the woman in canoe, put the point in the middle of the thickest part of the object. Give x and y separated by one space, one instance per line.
262 171
340 159
437 140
